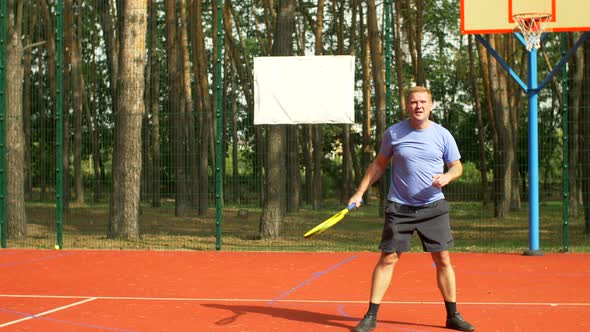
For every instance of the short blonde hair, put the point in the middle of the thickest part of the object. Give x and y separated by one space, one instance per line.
418 89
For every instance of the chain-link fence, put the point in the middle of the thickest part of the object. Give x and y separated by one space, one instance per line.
86 167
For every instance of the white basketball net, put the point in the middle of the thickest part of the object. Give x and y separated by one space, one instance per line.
531 26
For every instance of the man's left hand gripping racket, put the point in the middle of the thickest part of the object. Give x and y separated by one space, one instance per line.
333 220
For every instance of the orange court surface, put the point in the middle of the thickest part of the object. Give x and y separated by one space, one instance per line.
78 290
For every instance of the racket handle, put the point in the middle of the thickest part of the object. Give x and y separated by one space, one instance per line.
352 206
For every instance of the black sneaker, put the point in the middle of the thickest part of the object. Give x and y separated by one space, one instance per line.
456 322
368 323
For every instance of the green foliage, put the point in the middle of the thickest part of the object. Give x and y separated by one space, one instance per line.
471 173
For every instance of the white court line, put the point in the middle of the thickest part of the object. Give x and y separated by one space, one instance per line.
45 312
192 299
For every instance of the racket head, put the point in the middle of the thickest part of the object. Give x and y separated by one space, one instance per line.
326 224
322 227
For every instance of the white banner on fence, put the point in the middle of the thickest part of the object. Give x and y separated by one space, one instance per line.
304 89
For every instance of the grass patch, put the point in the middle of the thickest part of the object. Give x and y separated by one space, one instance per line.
474 229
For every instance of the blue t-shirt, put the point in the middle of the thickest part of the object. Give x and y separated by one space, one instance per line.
417 155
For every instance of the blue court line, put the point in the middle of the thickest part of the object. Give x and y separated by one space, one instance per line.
315 275
92 326
33 260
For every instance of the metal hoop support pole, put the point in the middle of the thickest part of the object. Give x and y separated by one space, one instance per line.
532 93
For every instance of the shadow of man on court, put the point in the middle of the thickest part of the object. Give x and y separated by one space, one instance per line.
294 315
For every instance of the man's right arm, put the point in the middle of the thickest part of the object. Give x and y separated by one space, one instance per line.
374 172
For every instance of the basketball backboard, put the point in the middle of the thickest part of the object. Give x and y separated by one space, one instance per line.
495 16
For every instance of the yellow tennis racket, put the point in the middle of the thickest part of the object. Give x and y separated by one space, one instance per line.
333 220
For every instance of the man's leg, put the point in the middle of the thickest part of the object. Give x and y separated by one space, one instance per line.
382 274
445 278
445 275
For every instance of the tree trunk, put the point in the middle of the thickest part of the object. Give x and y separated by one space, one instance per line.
247 82
78 107
574 167
347 172
379 86
108 24
484 69
154 106
585 146
483 169
91 112
308 162
27 109
317 156
399 61
420 76
124 208
177 116
410 33
47 149
515 98
304 137
15 141
293 172
189 121
367 149
354 160
504 151
274 207
146 151
68 103
234 132
316 129
203 80
44 149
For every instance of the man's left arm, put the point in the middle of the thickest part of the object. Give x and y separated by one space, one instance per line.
454 171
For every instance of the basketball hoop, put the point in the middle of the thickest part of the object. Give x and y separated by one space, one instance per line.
532 26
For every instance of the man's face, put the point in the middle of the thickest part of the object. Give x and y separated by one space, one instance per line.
419 108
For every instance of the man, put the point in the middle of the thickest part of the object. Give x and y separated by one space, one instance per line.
418 150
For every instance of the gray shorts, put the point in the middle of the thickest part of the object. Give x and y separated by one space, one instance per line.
431 221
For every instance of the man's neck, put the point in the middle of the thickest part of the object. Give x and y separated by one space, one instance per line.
420 124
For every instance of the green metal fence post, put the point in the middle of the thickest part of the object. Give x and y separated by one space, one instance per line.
219 133
59 124
3 36
564 120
